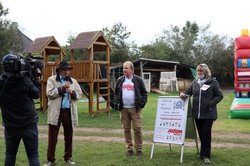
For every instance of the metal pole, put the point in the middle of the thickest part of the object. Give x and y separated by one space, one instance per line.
152 151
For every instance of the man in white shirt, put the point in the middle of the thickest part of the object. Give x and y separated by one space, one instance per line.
131 97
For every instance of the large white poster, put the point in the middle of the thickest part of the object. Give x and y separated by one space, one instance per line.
171 118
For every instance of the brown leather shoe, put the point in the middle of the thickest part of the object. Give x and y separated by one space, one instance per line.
130 153
139 153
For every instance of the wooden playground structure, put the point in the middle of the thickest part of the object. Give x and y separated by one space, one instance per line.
91 69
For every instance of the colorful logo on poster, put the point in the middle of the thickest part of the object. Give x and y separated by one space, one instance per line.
175 131
178 105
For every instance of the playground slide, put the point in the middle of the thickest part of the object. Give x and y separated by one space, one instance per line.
103 91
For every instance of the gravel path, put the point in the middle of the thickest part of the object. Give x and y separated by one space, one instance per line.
118 136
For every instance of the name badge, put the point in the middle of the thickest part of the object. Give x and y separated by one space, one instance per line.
205 87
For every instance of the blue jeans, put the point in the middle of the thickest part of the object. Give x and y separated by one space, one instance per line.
29 136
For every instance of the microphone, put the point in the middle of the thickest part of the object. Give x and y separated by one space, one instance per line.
67 78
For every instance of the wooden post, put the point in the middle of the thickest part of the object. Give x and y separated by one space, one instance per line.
72 55
108 76
141 68
91 83
43 96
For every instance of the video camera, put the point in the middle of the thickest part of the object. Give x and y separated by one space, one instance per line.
36 65
19 66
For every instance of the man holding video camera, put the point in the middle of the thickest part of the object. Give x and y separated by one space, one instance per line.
17 92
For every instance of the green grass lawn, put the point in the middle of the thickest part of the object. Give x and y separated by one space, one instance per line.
113 154
103 120
103 154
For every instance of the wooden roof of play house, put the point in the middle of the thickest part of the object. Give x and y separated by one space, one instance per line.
87 39
40 44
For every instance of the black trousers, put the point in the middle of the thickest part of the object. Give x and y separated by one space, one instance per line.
204 127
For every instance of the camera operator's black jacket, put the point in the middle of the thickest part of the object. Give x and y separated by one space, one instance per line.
16 101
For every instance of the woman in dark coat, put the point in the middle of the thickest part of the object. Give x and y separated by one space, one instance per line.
206 94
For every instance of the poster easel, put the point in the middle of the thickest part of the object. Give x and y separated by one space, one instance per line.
171 123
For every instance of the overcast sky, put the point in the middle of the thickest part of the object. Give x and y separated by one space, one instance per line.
143 18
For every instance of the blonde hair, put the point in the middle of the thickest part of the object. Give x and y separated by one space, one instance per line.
205 70
130 64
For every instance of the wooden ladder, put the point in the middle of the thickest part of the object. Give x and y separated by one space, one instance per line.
103 90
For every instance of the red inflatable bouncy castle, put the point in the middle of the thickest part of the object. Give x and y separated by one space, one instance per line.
241 105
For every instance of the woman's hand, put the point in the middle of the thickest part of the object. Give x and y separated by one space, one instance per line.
183 96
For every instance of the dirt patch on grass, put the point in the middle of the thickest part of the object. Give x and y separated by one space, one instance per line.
118 136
